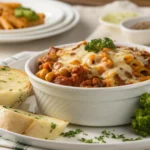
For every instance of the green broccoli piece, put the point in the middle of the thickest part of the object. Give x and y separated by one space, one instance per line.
141 119
141 125
145 100
98 44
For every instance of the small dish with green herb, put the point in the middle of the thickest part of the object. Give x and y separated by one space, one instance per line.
115 18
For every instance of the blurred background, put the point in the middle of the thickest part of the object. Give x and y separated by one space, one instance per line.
103 2
87 25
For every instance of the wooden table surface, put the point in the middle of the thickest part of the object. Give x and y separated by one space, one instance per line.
103 2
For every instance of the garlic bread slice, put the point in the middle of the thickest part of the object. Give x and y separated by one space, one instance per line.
30 124
15 86
12 121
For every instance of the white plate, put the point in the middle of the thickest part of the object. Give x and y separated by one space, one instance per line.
63 143
18 39
68 17
53 14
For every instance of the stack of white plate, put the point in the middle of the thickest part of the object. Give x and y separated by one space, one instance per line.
59 17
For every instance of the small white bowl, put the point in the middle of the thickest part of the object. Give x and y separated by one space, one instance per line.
108 24
118 16
136 36
86 106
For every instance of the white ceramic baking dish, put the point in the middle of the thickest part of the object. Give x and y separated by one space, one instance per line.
87 106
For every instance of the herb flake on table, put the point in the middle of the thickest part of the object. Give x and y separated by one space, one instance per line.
86 140
106 133
71 133
131 139
109 134
101 138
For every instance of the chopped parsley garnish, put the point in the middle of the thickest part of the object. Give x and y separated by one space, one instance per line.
3 81
118 136
5 68
53 125
101 138
85 134
138 138
131 139
71 133
37 117
6 107
16 111
86 140
106 133
121 136
98 44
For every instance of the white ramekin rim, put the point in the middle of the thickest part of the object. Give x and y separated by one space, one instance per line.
125 28
118 88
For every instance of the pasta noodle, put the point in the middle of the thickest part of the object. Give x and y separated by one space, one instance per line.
14 21
5 24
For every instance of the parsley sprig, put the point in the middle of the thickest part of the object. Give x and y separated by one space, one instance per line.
96 45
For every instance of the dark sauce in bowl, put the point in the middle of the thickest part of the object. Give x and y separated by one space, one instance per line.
141 25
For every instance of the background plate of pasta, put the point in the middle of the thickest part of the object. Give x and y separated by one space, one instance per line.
25 21
21 15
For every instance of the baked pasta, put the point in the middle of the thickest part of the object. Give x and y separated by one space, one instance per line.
74 66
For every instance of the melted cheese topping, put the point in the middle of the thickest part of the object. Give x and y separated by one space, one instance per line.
95 62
